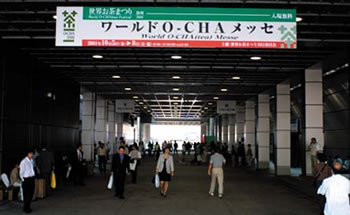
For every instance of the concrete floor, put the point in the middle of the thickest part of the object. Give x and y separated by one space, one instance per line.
246 193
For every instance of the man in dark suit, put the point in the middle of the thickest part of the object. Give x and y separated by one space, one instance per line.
77 165
120 164
45 162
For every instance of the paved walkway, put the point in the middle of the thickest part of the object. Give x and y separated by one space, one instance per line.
246 193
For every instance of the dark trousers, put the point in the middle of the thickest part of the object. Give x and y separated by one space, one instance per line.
134 175
119 184
79 175
102 162
47 177
28 192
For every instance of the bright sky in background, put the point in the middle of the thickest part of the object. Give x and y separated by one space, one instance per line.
179 133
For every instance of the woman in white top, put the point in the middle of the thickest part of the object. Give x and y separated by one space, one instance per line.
165 169
135 157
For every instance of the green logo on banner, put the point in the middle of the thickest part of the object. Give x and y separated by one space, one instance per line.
69 25
289 36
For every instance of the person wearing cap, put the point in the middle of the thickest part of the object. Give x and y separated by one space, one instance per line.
216 171
27 174
336 189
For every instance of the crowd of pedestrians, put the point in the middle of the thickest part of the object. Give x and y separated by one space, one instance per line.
332 187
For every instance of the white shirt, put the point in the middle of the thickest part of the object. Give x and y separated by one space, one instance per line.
336 189
80 156
26 168
314 148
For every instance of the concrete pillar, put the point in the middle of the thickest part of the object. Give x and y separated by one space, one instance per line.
101 120
139 130
249 126
225 128
146 133
240 122
111 127
88 124
119 121
219 128
212 126
263 131
283 129
313 109
231 131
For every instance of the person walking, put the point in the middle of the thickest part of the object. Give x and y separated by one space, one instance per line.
165 169
120 165
322 171
27 174
215 170
46 164
314 148
175 148
102 157
135 157
77 165
336 189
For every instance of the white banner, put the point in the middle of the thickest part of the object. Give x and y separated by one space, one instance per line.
175 27
124 106
226 107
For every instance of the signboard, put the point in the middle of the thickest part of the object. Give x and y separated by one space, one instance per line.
124 106
226 107
176 27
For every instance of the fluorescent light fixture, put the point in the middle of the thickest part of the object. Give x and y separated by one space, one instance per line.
116 76
175 103
223 90
176 89
236 78
206 108
54 16
141 103
176 57
96 56
210 103
176 77
135 97
127 89
299 19
216 97
149 111
145 107
255 58
175 97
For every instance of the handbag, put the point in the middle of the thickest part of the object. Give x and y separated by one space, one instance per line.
53 180
110 182
314 183
133 165
156 181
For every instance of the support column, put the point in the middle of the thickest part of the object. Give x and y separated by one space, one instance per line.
249 128
219 128
111 127
240 122
119 121
88 124
313 109
283 129
212 126
146 133
225 128
139 130
231 131
101 120
263 131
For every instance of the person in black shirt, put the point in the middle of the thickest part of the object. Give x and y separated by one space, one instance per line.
120 166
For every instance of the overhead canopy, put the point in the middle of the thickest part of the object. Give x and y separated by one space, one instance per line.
165 85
